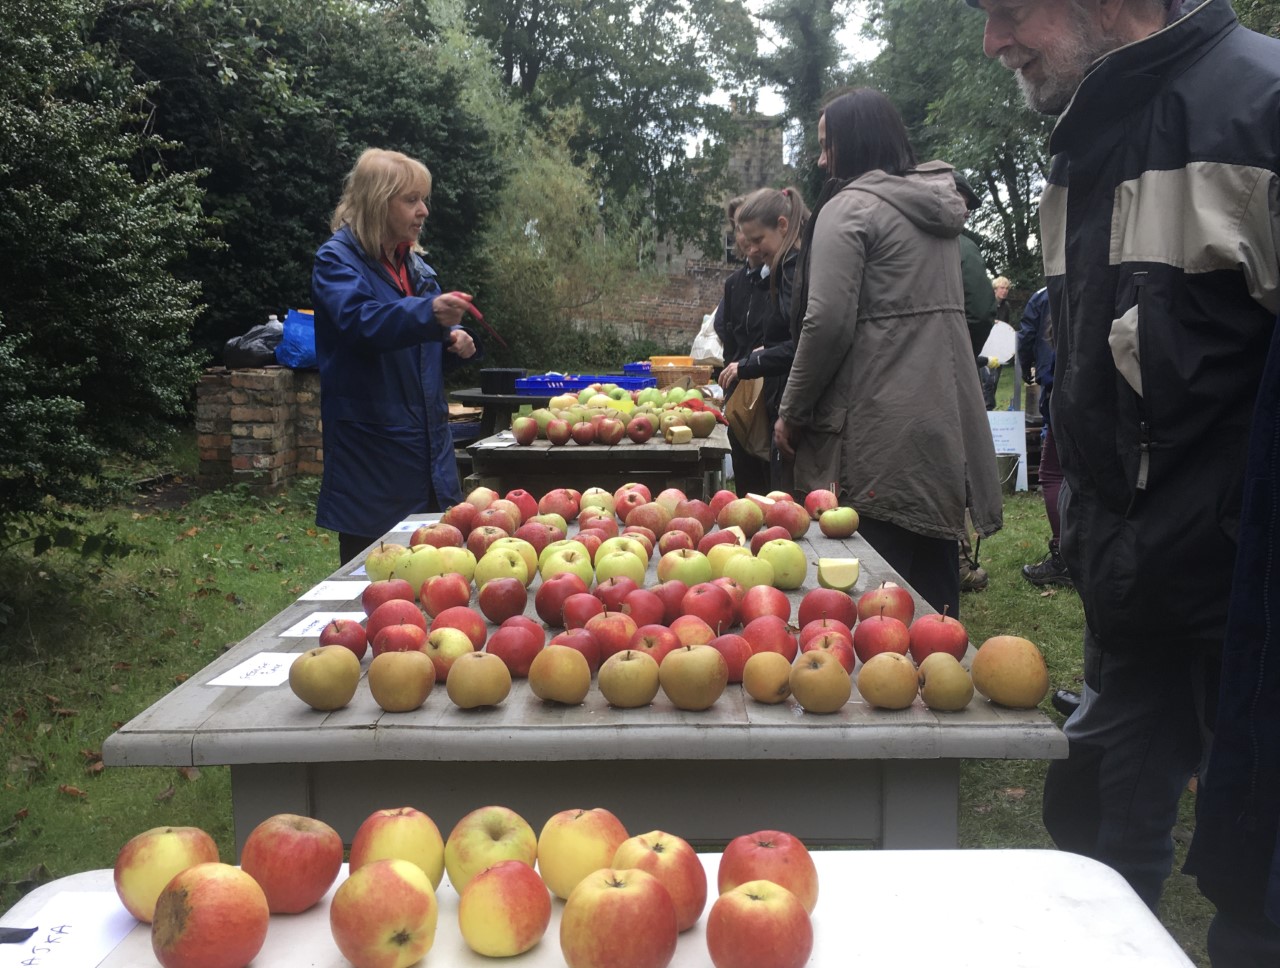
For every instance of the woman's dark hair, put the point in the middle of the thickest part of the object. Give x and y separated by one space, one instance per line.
865 133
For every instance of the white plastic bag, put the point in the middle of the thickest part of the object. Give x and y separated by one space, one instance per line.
707 348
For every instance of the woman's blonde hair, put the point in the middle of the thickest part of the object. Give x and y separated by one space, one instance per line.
378 176
767 206
1000 281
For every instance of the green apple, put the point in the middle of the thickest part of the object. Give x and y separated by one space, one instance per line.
457 561
422 562
551 520
576 560
720 554
787 558
623 543
381 561
483 838
501 563
748 570
324 678
551 549
686 565
624 563
525 550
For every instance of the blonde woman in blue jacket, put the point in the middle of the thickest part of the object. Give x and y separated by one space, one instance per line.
386 334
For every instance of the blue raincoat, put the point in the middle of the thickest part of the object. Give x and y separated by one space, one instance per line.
388 451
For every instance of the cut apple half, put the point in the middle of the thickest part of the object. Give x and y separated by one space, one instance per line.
838 573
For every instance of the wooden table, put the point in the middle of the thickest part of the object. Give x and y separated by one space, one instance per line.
497 408
695 468
960 908
859 776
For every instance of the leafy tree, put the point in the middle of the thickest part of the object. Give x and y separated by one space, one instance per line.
273 100
640 72
94 349
966 109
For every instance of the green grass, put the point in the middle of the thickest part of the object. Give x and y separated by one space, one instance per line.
87 647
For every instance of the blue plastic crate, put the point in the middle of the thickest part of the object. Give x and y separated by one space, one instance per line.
642 368
553 383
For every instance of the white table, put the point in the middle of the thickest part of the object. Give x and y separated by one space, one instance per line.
962 909
859 776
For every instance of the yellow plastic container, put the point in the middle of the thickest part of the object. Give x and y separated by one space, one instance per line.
670 361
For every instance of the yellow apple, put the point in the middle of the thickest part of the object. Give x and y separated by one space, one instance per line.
573 843
483 838
819 682
401 681
628 679
720 554
944 683
1010 671
767 677
404 833
888 681
693 676
504 910
560 674
325 677
478 679
150 860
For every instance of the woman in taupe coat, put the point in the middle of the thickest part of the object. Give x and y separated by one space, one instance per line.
883 396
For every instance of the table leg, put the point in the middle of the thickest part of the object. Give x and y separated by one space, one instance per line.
259 791
921 804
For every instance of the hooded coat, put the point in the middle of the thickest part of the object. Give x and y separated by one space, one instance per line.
883 383
388 451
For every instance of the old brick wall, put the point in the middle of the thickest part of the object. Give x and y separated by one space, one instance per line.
672 314
259 426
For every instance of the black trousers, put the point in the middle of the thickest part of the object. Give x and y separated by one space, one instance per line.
926 564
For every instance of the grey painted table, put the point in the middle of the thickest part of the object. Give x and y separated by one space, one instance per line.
857 776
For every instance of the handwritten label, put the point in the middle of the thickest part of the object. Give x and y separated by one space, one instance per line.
405 527
1009 433
334 591
263 669
314 624
76 929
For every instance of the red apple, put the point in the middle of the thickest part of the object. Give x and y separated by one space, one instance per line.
384 914
644 606
439 592
591 539
742 513
343 631
399 638
713 538
524 622
640 428
517 646
759 923
437 533
736 592
626 502
821 626
764 600
294 859
386 590
670 498
150 860
937 633
464 619
888 599
579 608
880 633
395 612
618 917
699 510
461 516
673 862
598 518
655 640
496 517
815 502
773 856
500 598
768 633
690 526
583 432
837 645
719 500
614 591
691 630
560 501
712 604
765 535
537 534
209 916
736 651
827 603
610 432
482 536
613 630
582 640
676 541
558 432
671 594
525 501
552 593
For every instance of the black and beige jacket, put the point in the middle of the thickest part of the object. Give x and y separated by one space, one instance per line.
1160 229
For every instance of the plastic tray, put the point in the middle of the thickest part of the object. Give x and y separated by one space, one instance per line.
565 382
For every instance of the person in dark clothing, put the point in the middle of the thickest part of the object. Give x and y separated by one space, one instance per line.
772 222
739 322
386 334
1035 359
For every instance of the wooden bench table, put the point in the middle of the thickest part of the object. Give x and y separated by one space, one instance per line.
859 776
695 468
959 908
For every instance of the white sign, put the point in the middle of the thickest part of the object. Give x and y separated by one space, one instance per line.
314 624
263 669
1009 433
334 591
73 930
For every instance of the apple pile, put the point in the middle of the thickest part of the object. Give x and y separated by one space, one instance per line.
627 898
605 413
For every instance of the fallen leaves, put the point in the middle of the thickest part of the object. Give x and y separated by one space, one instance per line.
71 791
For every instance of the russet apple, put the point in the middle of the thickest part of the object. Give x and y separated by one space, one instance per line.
1010 671
756 924
693 677
770 855
504 910
400 682
629 679
560 674
209 916
384 915
888 681
945 685
618 917
149 860
487 836
405 833
575 842
478 679
767 677
325 678
294 859
675 864
820 683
